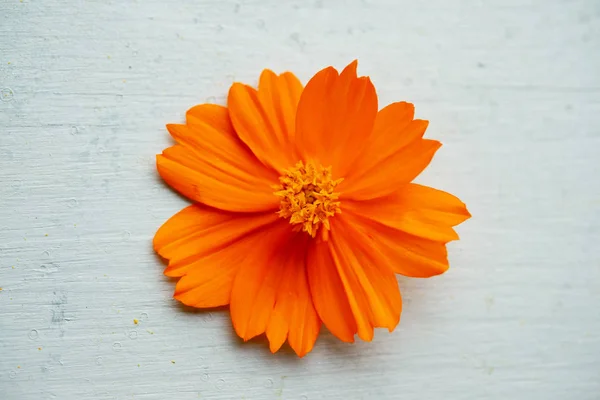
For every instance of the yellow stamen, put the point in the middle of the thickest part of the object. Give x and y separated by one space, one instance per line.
307 197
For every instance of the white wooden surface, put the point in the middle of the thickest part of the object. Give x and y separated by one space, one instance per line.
512 88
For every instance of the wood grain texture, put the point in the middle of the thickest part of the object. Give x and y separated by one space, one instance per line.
511 88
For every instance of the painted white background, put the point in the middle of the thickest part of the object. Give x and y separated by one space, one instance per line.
512 89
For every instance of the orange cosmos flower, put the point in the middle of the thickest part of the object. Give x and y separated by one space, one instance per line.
304 208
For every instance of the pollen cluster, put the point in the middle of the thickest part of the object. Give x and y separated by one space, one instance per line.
307 197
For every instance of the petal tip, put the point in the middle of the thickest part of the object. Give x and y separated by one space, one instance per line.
467 213
351 68
267 73
366 336
435 144
169 273
327 71
274 348
302 353
236 87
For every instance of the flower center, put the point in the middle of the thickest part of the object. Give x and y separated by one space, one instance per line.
307 197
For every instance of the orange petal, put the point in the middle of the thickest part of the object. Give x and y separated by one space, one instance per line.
265 119
218 185
198 231
336 114
294 316
254 289
368 281
390 174
434 205
418 210
213 166
209 134
212 123
327 291
204 246
208 279
406 254
394 129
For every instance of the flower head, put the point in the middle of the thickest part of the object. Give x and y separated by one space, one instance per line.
308 198
303 208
